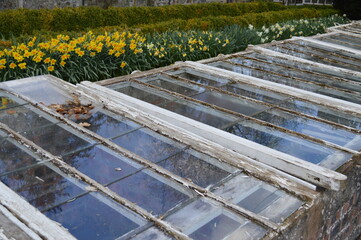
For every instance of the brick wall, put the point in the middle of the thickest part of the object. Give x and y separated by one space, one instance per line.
335 215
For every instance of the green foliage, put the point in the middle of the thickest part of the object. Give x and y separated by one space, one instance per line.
94 56
25 21
352 8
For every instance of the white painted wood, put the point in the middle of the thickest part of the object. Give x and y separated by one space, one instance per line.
331 45
31 217
19 224
280 88
297 167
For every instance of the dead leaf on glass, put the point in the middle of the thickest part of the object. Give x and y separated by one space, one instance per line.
11 112
84 124
73 107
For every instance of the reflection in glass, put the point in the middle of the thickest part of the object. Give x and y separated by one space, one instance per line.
100 164
149 193
148 145
88 218
41 186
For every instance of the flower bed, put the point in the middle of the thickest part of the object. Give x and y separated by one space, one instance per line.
95 57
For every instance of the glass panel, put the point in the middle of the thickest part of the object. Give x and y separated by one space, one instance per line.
148 145
13 157
323 113
231 103
177 86
309 127
152 234
326 73
56 139
107 126
266 76
89 218
101 164
255 93
201 78
204 219
200 113
23 118
8 101
295 73
41 186
215 229
150 192
142 93
327 59
303 149
201 170
342 41
259 197
41 90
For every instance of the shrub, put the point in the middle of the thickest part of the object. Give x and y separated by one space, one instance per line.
25 21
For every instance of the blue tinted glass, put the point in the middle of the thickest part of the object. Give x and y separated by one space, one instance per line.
216 229
149 193
100 165
12 157
150 147
197 170
55 139
105 125
88 218
41 186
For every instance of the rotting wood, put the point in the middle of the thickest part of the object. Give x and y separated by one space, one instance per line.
271 53
255 120
71 171
200 191
332 103
305 170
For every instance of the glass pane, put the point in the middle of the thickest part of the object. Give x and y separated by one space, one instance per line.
13 157
323 113
309 127
204 219
148 145
200 113
201 170
101 164
315 56
24 118
259 197
89 218
8 101
342 41
255 93
56 139
230 103
142 93
107 126
152 234
199 77
215 229
150 193
303 149
41 90
41 186
177 86
325 73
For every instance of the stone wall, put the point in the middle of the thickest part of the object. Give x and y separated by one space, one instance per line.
37 4
336 215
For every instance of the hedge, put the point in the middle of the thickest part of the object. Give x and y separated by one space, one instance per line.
26 21
217 22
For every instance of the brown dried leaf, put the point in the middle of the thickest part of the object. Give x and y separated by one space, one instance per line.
11 112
